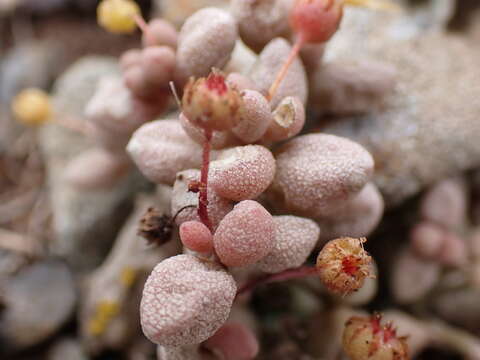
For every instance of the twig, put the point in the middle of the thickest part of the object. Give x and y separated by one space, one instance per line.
203 193
283 70
290 274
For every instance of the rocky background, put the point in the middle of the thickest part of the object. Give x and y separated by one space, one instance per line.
56 256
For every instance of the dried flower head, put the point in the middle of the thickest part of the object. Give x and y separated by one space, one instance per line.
316 21
155 227
365 338
343 265
117 16
210 103
288 119
219 140
32 107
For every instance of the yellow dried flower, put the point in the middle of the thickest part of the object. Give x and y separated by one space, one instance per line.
128 276
105 311
118 16
32 107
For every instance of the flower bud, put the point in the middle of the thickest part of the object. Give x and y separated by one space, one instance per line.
32 107
316 21
365 338
343 265
210 103
117 16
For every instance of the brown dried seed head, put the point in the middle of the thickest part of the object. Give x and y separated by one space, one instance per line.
366 338
343 265
210 103
155 227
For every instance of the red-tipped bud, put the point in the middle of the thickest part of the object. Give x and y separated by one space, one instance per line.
343 265
366 338
316 21
210 103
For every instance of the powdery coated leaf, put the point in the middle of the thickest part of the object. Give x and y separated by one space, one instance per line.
357 218
446 203
111 107
234 341
130 58
265 70
317 173
161 149
114 114
240 82
158 63
259 21
217 207
255 117
454 251
243 172
295 238
160 33
96 169
427 239
245 235
185 301
135 79
206 40
196 236
288 120
220 139
413 277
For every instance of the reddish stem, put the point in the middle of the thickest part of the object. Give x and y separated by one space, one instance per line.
297 273
143 26
141 23
203 194
284 69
